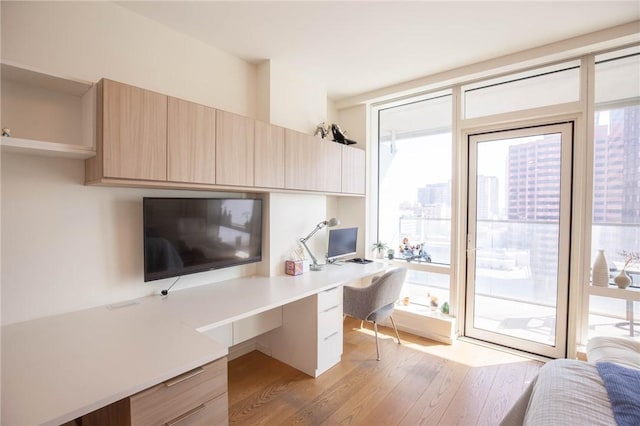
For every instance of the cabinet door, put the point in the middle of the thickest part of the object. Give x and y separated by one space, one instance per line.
301 160
353 170
134 132
234 149
191 142
329 165
269 156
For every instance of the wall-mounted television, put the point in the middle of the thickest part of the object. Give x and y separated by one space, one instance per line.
188 235
342 242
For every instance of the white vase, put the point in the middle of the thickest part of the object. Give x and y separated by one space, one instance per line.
600 270
622 280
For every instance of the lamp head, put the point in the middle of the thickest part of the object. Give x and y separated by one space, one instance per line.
333 222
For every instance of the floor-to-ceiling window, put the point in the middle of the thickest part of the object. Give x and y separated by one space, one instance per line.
616 190
414 195
418 158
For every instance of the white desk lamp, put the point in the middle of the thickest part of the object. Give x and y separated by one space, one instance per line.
331 222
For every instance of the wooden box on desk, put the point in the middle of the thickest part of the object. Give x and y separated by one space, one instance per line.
293 267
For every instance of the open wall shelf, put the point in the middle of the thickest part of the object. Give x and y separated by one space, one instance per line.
46 114
49 149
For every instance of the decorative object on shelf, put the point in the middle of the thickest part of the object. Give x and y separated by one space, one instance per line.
600 270
414 252
6 132
331 222
622 280
630 257
379 248
322 130
406 301
339 135
433 301
445 308
391 253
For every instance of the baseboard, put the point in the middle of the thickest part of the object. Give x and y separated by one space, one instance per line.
434 327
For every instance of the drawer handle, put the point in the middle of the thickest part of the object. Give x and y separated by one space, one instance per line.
331 335
183 377
331 308
186 415
331 289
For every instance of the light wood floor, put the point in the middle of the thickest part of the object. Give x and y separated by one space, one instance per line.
420 382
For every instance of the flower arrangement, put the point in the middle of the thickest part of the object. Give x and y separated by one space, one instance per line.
630 257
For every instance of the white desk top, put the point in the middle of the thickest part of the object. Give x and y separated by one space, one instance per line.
58 368
211 306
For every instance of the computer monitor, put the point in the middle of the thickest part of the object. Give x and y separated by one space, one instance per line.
342 242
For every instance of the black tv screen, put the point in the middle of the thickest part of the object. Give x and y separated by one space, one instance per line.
188 235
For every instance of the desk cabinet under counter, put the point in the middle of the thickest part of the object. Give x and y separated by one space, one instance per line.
294 344
197 397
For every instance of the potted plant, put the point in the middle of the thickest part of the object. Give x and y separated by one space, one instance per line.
379 247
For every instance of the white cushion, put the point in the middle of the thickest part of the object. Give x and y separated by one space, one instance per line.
618 350
568 392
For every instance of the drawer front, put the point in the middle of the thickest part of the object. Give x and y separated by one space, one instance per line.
177 396
256 325
329 298
329 321
213 412
329 351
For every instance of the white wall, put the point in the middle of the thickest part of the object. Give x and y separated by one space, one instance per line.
294 216
263 96
91 40
353 120
296 101
67 246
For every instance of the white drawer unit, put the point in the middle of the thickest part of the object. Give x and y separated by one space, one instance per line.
310 338
327 299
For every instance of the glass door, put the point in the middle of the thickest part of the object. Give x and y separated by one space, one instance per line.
518 238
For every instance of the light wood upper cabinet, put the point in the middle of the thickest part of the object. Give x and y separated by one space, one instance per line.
146 139
234 149
300 161
191 142
329 165
353 170
133 137
269 155
312 164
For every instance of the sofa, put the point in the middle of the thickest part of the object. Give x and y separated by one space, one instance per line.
567 391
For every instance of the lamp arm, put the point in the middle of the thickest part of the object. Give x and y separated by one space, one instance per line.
312 233
303 241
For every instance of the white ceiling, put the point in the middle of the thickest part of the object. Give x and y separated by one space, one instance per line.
352 47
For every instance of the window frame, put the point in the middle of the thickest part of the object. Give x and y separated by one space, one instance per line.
580 112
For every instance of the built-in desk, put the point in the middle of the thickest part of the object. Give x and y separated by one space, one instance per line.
58 368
